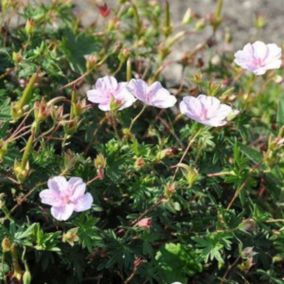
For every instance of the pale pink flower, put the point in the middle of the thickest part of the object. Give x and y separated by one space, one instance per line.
207 110
153 95
144 223
259 57
108 93
64 197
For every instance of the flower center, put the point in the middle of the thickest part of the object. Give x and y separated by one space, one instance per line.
258 62
66 198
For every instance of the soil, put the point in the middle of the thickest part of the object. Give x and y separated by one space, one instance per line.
239 18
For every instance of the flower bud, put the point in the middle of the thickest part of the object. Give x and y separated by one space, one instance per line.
6 245
170 189
200 25
248 225
139 163
17 57
104 10
56 113
91 61
2 200
27 277
70 126
100 164
71 236
3 149
187 17
260 22
144 223
124 54
29 27
168 152
41 110
20 172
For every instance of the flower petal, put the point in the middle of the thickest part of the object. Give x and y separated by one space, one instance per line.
62 213
58 183
138 89
83 203
160 97
78 188
210 104
125 96
97 96
107 83
50 197
191 107
260 50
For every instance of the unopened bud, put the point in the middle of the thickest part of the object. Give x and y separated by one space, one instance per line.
21 172
248 225
170 189
56 113
124 54
144 223
41 110
168 152
187 17
100 164
139 163
3 149
71 236
70 126
27 277
6 245
91 61
17 57
30 27
104 10
260 22
200 25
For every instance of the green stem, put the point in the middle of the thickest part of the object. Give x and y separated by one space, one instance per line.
136 117
27 91
29 145
167 24
191 141
16 265
128 70
114 124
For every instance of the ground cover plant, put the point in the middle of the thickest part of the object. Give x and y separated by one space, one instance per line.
112 172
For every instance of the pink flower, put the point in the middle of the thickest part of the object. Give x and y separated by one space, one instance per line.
144 223
259 57
153 95
206 110
64 197
104 10
109 94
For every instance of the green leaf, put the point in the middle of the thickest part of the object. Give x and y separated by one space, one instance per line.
175 262
251 153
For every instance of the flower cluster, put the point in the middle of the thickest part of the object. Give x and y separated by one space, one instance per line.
65 197
108 92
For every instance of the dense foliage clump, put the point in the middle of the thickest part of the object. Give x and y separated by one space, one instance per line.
169 198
